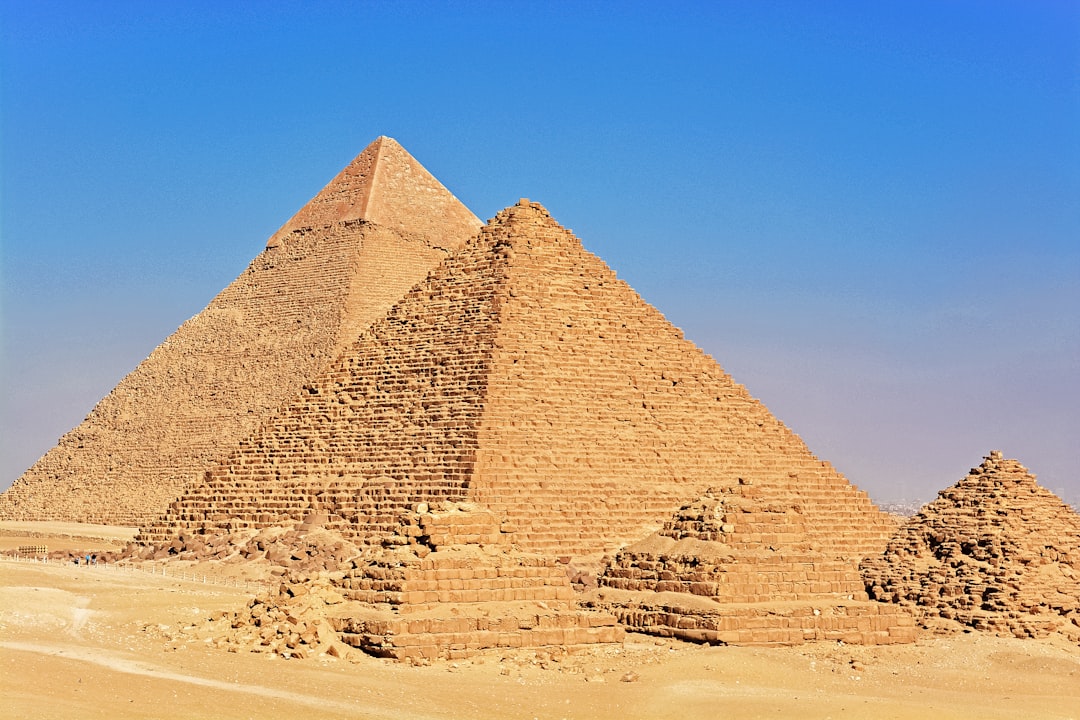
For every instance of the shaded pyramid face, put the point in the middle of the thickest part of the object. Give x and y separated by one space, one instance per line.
333 269
524 376
996 551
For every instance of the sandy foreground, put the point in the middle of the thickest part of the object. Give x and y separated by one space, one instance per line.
100 642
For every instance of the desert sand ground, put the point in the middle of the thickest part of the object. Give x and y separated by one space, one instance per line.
101 642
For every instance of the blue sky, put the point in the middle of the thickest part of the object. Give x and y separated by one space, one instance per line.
868 213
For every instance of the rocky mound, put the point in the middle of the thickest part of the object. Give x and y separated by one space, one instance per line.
994 552
306 546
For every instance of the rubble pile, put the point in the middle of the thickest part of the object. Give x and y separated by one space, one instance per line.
994 552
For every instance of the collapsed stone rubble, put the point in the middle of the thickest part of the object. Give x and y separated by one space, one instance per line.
446 586
994 552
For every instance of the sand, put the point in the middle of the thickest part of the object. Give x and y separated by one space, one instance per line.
102 642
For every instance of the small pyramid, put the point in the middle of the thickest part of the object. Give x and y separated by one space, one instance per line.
338 265
996 552
522 375
451 583
736 568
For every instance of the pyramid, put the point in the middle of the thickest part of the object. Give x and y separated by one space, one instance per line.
521 375
996 552
339 264
450 583
735 568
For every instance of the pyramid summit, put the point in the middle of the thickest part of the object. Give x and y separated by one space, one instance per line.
338 265
385 185
522 376
996 552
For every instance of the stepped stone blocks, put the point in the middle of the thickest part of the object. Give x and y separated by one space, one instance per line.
331 271
737 568
453 585
390 423
524 376
447 584
996 552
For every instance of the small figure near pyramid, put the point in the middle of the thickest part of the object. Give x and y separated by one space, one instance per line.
994 552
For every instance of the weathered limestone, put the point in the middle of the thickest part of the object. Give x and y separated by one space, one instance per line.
737 568
521 375
451 584
334 268
996 552
448 584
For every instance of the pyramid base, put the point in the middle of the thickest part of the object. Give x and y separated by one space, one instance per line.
1005 623
447 584
700 620
458 632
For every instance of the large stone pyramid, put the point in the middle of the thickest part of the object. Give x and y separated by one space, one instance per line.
524 377
996 551
334 268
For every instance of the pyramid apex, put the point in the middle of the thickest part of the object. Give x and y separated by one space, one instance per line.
524 209
386 185
995 462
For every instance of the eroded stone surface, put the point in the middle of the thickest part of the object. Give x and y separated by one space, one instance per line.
447 584
737 567
996 552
